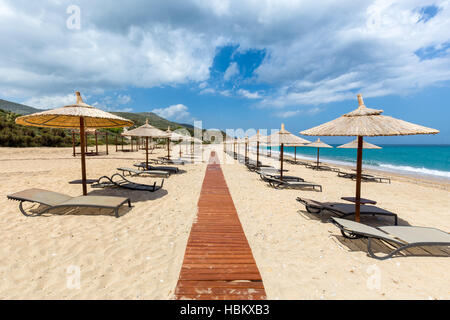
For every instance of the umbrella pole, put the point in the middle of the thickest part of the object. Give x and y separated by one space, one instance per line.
257 154
96 143
318 152
295 154
168 148
107 150
246 154
358 179
73 144
281 160
146 153
83 156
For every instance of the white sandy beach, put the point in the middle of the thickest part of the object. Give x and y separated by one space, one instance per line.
139 255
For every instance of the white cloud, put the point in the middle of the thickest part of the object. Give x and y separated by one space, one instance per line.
208 91
293 113
178 112
249 95
317 52
287 114
50 102
232 71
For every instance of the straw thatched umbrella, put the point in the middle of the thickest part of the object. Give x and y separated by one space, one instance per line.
172 136
147 131
366 122
282 138
258 139
354 145
318 144
76 116
295 142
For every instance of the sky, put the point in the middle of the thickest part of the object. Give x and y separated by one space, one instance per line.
250 64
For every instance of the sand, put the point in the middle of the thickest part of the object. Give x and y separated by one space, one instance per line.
139 255
301 256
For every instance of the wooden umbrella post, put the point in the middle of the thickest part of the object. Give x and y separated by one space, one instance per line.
73 144
295 154
168 148
83 156
257 153
96 143
146 153
116 144
281 160
358 179
107 150
246 152
318 152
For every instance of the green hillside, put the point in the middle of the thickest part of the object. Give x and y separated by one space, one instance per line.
13 135
138 118
155 120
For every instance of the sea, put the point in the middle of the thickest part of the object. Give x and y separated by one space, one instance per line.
431 161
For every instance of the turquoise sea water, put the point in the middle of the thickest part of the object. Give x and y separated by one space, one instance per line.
433 160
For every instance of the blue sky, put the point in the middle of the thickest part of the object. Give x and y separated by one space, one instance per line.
234 64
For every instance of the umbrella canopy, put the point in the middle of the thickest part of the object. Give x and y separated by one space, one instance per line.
258 139
176 137
354 145
318 144
282 138
76 116
68 117
366 122
286 138
147 131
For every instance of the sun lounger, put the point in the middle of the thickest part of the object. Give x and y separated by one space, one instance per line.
364 177
54 200
120 181
344 209
297 162
254 167
134 172
321 168
266 176
286 184
402 236
165 160
158 168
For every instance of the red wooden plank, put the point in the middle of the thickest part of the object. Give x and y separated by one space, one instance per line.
218 262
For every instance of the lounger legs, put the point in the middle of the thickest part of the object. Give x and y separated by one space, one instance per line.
24 212
373 255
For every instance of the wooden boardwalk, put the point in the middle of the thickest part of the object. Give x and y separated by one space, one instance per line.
218 264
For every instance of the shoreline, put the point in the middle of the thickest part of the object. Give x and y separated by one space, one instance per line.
429 180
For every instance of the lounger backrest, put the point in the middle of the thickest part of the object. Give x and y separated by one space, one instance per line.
418 234
45 197
363 229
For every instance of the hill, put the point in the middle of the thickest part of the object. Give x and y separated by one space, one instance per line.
155 120
17 108
138 118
